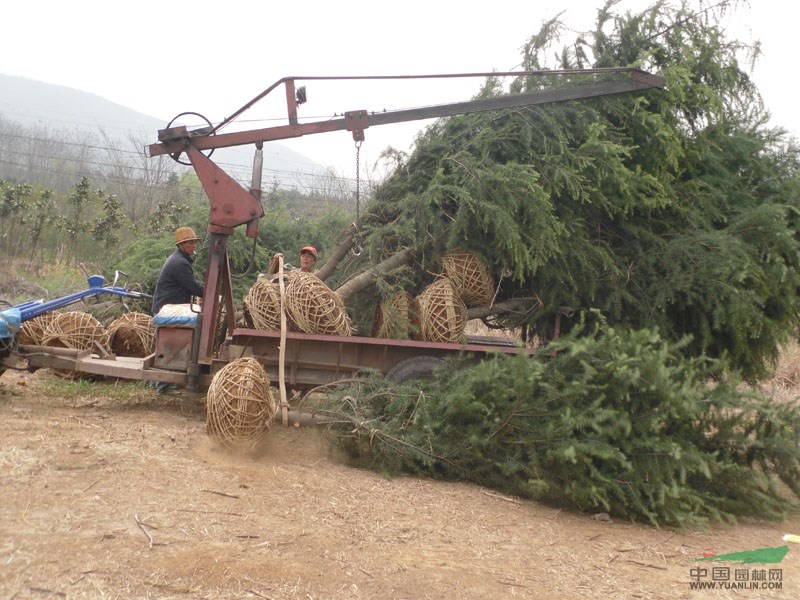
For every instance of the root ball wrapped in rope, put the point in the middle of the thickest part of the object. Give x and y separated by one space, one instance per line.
32 332
396 318
77 330
132 334
469 275
74 329
262 305
314 307
441 312
239 404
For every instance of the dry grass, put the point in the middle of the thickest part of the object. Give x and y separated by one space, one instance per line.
103 495
784 385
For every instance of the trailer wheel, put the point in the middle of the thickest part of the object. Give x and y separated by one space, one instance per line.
417 368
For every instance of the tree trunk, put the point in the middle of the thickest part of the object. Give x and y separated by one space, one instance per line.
338 254
366 278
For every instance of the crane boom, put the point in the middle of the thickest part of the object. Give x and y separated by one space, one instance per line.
174 140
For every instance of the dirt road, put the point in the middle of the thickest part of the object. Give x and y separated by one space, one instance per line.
115 492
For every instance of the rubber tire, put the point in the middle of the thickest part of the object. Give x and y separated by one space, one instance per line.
416 368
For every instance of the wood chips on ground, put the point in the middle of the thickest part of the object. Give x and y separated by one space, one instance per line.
119 494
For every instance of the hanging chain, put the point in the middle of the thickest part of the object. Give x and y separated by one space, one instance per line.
357 248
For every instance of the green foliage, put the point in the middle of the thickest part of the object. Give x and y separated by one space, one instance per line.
618 421
106 227
672 208
46 229
181 196
69 389
14 204
75 222
39 220
144 258
57 281
82 389
168 215
278 232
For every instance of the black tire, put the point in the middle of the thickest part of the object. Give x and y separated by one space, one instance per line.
417 368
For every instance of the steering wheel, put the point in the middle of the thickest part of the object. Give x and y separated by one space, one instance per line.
201 131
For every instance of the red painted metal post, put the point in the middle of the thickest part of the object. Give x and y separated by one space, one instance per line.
231 204
291 101
217 288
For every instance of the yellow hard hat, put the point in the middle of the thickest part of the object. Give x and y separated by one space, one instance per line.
185 234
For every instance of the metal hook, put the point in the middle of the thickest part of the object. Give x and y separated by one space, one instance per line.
357 249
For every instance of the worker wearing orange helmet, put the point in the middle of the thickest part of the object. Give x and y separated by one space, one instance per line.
308 258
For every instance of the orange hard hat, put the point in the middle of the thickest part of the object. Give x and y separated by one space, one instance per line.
310 249
185 234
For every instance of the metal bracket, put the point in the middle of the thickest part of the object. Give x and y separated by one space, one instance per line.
356 121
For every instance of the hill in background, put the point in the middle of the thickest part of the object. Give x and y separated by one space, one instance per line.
42 106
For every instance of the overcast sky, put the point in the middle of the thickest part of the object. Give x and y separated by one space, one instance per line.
163 58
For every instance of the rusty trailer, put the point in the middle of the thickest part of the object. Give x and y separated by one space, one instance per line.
310 360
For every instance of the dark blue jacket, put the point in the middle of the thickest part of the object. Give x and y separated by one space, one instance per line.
176 282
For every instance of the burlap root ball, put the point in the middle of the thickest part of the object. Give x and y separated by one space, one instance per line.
314 307
441 312
132 334
32 331
470 276
239 404
395 317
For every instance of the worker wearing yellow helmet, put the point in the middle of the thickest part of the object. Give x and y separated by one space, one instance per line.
176 282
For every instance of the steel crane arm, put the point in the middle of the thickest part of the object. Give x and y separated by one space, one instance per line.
177 139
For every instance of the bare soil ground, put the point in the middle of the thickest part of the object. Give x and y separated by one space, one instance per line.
116 492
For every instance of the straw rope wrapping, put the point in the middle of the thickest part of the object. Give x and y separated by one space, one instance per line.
395 317
239 404
442 313
470 276
262 303
74 329
32 331
132 334
314 307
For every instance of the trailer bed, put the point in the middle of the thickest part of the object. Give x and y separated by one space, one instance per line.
319 359
309 360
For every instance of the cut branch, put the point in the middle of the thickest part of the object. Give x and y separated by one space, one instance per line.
142 526
515 305
368 277
341 250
